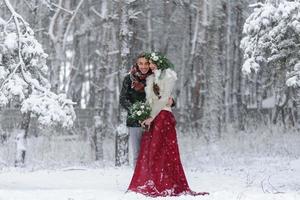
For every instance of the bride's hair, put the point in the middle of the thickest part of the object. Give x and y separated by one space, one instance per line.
156 90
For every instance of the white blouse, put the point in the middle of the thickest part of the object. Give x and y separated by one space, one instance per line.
165 79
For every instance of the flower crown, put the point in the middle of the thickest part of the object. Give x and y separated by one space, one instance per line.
160 60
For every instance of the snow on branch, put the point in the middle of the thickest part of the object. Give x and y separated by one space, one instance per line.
50 5
23 74
271 37
255 5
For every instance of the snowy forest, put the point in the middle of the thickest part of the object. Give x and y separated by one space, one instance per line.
62 63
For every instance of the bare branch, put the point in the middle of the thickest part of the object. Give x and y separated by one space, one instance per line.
52 24
59 6
70 23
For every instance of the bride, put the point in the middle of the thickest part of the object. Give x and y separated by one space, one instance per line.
158 170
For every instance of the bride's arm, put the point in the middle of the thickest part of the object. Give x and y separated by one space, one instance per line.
168 82
167 85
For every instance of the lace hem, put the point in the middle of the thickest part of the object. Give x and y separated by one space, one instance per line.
149 186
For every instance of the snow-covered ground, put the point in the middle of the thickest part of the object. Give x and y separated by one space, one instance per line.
250 165
257 179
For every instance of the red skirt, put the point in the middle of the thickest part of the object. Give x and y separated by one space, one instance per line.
158 170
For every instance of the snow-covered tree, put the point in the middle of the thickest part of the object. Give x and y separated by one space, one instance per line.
23 74
271 47
272 38
23 78
124 49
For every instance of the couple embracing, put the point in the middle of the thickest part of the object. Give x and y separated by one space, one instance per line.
155 154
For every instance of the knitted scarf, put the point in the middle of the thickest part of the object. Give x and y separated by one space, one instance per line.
138 79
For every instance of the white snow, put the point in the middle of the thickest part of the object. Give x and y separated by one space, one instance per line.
11 41
256 179
50 108
249 165
271 37
250 65
261 165
25 79
20 140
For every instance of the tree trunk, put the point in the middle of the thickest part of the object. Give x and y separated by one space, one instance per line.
122 136
21 140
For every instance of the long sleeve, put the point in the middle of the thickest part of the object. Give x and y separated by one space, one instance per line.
166 84
124 99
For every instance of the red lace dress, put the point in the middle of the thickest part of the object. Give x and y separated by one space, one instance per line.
158 170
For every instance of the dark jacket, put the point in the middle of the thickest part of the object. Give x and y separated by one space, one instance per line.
129 96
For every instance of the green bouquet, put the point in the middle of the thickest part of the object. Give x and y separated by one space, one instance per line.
139 111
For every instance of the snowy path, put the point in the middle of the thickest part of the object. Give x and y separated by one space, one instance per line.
256 182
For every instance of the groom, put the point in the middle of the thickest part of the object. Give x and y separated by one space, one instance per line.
131 92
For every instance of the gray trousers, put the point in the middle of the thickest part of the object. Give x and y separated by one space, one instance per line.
135 136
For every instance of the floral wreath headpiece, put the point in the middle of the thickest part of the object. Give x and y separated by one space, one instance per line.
160 60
